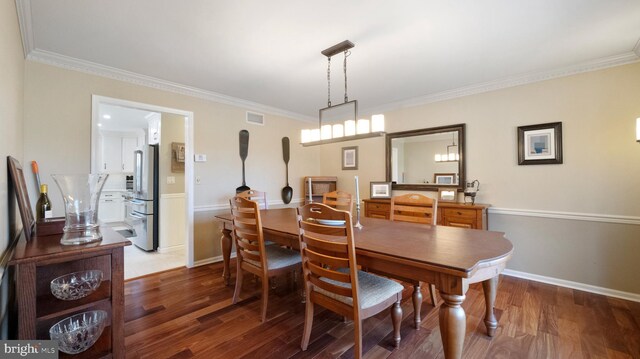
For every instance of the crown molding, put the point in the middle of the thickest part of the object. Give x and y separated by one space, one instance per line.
528 78
71 63
23 7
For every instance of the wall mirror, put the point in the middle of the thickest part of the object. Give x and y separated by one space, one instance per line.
427 159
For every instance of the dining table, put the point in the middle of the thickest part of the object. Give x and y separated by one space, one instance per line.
450 258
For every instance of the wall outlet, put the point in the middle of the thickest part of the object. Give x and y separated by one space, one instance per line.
171 180
198 180
200 158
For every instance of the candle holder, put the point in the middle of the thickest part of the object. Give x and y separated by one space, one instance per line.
358 225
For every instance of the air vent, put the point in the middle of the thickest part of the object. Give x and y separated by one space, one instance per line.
255 118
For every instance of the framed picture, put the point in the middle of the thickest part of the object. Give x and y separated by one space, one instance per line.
380 189
447 195
16 176
350 158
444 178
540 144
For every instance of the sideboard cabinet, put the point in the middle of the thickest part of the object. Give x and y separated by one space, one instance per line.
451 214
42 259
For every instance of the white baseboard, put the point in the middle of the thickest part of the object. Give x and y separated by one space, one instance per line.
177 248
634 297
210 260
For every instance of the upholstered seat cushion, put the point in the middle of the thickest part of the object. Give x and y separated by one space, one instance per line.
373 289
278 257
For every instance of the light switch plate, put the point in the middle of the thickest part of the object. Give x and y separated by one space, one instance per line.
171 180
200 158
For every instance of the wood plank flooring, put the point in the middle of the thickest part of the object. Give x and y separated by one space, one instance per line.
187 313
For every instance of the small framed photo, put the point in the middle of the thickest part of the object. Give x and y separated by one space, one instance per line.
350 158
540 144
447 195
444 178
380 189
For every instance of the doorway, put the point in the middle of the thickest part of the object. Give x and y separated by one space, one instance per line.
175 184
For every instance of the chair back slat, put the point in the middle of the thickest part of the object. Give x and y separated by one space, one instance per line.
328 252
338 200
256 196
336 289
414 207
247 231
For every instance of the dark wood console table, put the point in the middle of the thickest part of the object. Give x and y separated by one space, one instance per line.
42 259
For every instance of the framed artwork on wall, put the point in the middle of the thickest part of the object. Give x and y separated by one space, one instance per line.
444 178
380 189
350 158
540 144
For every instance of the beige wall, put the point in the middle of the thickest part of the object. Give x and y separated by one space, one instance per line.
11 114
172 130
600 174
58 132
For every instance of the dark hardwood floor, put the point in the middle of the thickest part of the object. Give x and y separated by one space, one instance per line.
187 313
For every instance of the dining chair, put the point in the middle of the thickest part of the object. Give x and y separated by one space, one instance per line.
339 200
258 196
332 278
416 208
253 255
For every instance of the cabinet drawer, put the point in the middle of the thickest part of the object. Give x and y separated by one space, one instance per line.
48 304
379 207
459 213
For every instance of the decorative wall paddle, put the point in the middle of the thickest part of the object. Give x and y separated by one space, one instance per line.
287 191
244 150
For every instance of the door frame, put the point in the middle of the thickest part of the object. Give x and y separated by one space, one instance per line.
97 100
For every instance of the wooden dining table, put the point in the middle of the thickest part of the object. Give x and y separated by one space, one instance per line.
450 258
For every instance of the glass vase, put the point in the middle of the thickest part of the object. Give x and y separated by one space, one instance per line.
81 194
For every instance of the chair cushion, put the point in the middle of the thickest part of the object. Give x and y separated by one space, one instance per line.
278 257
373 289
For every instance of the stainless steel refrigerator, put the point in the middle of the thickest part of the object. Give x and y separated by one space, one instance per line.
143 213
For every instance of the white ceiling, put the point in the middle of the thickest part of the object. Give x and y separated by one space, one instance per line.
119 118
267 53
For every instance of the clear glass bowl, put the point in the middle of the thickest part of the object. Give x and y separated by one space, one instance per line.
78 333
76 285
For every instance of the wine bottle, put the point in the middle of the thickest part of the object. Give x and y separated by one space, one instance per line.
43 206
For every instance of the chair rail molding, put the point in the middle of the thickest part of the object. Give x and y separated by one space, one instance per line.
576 216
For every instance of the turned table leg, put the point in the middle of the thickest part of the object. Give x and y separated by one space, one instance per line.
452 325
417 304
490 287
225 242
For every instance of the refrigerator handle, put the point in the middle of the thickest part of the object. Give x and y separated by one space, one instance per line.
138 171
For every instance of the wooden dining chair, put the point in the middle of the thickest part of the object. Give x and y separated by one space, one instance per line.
258 196
331 276
416 208
253 255
339 200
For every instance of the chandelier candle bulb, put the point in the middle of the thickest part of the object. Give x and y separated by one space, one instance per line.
377 123
338 130
363 126
349 128
315 134
305 136
325 132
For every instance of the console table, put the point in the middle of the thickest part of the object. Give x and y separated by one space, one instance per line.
453 214
42 259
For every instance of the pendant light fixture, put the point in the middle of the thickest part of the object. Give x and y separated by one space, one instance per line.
451 155
341 122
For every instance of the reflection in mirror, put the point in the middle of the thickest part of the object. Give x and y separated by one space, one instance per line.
426 159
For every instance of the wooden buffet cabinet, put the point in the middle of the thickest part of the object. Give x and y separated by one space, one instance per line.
42 259
451 214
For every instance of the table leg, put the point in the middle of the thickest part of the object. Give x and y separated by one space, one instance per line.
452 325
490 288
225 242
417 304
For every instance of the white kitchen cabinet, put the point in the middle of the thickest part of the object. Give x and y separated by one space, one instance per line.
111 207
117 153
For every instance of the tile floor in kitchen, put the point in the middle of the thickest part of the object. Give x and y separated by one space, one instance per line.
138 262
